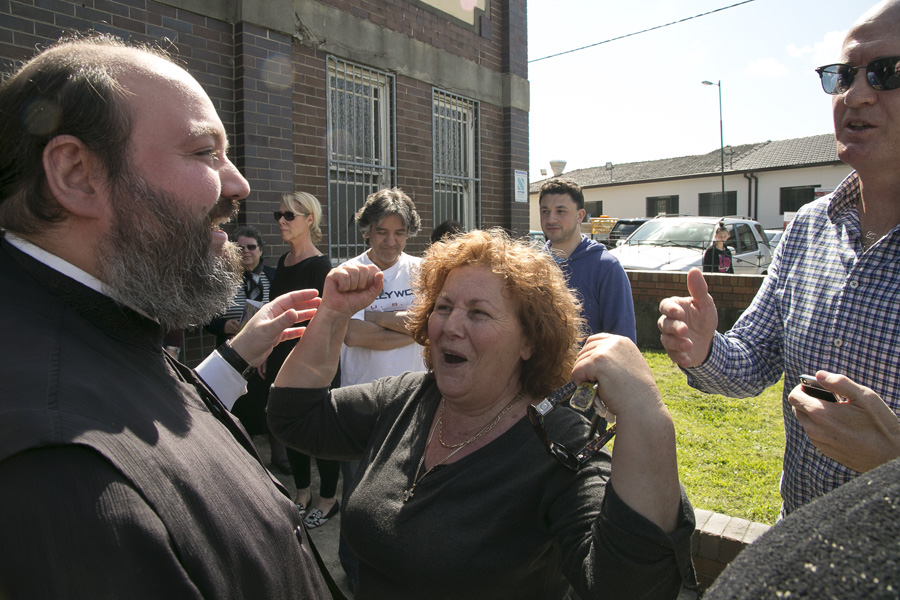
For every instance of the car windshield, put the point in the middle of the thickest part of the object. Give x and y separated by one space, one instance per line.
673 233
623 229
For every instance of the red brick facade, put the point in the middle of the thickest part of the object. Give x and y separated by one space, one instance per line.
732 293
269 89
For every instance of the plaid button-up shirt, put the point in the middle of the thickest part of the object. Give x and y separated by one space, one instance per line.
825 304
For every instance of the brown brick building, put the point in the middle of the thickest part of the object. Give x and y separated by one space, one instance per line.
340 97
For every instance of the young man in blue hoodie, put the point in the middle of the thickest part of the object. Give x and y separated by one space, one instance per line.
593 273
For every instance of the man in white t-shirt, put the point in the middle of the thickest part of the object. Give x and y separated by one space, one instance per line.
377 343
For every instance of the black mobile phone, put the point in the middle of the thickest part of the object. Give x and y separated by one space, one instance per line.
812 387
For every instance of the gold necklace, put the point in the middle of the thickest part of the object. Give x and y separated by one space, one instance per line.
407 494
485 429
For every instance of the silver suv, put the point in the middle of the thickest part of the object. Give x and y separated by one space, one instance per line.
678 244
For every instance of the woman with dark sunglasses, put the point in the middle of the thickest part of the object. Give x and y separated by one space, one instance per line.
303 267
456 496
251 407
257 278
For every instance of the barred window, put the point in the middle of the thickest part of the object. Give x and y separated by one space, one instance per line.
662 205
792 198
361 145
713 205
592 208
457 159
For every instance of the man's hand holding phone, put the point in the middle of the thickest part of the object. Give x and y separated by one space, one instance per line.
854 426
811 387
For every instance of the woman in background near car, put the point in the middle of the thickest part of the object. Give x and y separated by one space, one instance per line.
717 258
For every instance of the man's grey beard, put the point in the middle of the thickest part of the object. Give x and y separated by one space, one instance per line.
158 258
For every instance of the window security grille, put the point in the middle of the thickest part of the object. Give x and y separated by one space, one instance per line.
662 205
712 204
361 145
792 198
457 159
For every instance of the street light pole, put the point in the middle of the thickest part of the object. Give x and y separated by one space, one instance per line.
721 136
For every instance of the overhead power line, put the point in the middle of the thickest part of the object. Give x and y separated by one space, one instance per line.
641 31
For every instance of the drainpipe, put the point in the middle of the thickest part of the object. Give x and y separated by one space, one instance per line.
748 176
755 197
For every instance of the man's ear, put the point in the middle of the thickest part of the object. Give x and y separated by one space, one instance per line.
581 215
75 177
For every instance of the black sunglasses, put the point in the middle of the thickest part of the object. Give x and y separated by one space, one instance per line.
580 401
250 247
288 215
883 74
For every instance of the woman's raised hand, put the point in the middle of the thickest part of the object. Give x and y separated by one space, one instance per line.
351 288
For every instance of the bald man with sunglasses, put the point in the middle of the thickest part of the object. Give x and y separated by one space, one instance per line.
829 303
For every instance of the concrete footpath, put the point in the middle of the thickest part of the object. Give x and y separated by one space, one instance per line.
326 537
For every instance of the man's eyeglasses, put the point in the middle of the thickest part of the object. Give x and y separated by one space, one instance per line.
288 215
250 247
570 460
883 74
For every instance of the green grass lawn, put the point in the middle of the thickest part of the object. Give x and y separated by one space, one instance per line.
729 450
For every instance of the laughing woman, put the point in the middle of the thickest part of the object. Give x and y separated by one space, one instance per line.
457 495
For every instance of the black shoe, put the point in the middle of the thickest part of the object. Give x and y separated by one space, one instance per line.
315 518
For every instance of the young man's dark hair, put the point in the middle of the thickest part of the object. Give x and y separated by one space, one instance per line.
564 186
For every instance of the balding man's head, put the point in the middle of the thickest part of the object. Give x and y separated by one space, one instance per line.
888 10
72 88
114 160
865 101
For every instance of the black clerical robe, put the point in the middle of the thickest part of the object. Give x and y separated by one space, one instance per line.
118 478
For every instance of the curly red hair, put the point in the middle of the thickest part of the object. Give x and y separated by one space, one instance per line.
550 314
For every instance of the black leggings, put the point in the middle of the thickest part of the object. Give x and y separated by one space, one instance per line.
329 471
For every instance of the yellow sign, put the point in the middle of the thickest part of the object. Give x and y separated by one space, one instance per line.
602 224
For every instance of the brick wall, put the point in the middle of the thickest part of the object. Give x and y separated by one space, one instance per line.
516 32
270 92
717 540
514 125
414 153
206 45
732 293
264 134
